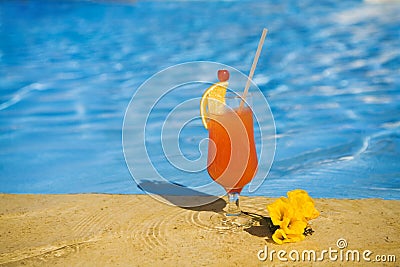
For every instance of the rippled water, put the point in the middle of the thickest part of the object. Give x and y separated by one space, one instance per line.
329 69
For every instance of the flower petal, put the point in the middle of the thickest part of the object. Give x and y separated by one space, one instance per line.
278 210
303 204
294 238
279 236
295 227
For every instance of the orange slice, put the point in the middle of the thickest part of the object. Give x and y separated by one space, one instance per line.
213 101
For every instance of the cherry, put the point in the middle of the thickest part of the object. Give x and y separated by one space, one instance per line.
223 75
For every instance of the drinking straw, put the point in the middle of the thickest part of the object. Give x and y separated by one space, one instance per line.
253 66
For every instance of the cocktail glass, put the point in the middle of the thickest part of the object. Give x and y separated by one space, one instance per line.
232 156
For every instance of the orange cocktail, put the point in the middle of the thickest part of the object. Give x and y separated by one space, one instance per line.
232 157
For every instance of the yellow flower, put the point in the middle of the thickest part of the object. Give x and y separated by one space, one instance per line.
292 214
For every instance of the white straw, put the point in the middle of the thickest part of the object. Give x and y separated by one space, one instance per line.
253 66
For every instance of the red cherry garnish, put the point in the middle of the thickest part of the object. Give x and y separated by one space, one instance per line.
223 75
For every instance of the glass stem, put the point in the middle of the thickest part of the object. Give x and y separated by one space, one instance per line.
233 208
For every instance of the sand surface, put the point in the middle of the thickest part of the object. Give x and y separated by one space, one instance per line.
137 230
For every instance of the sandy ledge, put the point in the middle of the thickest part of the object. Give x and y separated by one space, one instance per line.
137 230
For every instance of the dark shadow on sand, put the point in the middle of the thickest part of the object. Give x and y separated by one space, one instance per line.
190 199
182 196
265 228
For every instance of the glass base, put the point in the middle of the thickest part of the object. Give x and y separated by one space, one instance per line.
224 222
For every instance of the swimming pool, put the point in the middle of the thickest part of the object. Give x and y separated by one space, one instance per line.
329 69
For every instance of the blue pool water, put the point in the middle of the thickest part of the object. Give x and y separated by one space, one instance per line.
329 69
